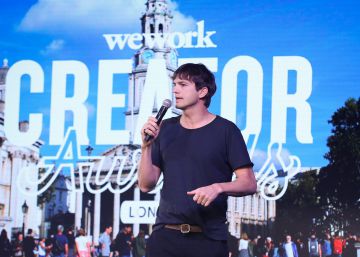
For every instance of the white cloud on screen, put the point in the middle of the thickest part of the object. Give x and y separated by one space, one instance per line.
55 46
260 157
181 22
111 16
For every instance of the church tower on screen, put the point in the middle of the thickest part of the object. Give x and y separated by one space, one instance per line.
13 158
155 23
3 71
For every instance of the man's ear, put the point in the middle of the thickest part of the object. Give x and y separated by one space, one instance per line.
203 92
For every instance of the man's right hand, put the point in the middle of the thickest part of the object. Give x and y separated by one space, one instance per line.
150 128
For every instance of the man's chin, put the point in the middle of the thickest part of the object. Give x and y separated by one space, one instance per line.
180 107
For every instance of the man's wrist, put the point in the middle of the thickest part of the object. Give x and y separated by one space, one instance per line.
145 146
219 188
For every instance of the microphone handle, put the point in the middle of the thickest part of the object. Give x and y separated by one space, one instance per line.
159 117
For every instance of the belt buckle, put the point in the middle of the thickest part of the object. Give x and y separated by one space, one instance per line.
184 228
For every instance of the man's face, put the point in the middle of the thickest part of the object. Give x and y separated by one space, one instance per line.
109 230
288 239
186 94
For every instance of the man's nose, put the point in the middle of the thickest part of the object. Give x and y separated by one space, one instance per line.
175 89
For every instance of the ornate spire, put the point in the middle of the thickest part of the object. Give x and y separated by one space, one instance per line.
5 63
3 71
157 18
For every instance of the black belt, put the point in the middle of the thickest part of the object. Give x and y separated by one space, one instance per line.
184 228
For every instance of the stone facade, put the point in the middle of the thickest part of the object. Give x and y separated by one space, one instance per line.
13 158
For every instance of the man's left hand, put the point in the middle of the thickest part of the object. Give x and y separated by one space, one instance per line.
206 195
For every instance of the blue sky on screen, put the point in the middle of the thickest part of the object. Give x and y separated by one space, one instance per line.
326 33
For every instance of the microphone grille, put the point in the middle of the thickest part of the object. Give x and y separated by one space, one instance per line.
167 103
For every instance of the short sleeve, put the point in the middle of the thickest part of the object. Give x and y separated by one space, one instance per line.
238 156
155 153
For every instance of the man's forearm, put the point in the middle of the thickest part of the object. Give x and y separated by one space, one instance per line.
147 174
244 184
235 188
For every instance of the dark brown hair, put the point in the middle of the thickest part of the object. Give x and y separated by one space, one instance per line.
200 75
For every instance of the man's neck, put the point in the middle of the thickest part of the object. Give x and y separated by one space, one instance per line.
193 119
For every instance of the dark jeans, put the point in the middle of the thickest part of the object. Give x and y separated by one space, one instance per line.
172 243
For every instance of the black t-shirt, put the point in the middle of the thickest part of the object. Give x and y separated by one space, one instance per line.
233 245
60 240
71 239
5 247
29 245
193 158
123 243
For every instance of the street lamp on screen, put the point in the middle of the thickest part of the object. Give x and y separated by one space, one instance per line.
25 209
89 149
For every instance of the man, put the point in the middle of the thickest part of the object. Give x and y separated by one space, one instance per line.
288 248
139 245
350 249
233 245
123 242
29 244
105 242
338 245
302 246
269 246
326 246
60 245
71 242
17 245
197 152
314 246
5 245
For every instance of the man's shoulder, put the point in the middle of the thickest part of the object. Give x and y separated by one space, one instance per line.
105 236
170 124
171 121
120 235
227 126
225 122
61 237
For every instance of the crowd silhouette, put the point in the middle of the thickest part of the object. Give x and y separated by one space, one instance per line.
125 244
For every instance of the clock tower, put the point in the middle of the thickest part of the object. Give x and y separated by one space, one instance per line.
155 24
3 71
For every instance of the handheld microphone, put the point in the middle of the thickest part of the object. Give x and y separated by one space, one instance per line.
160 115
